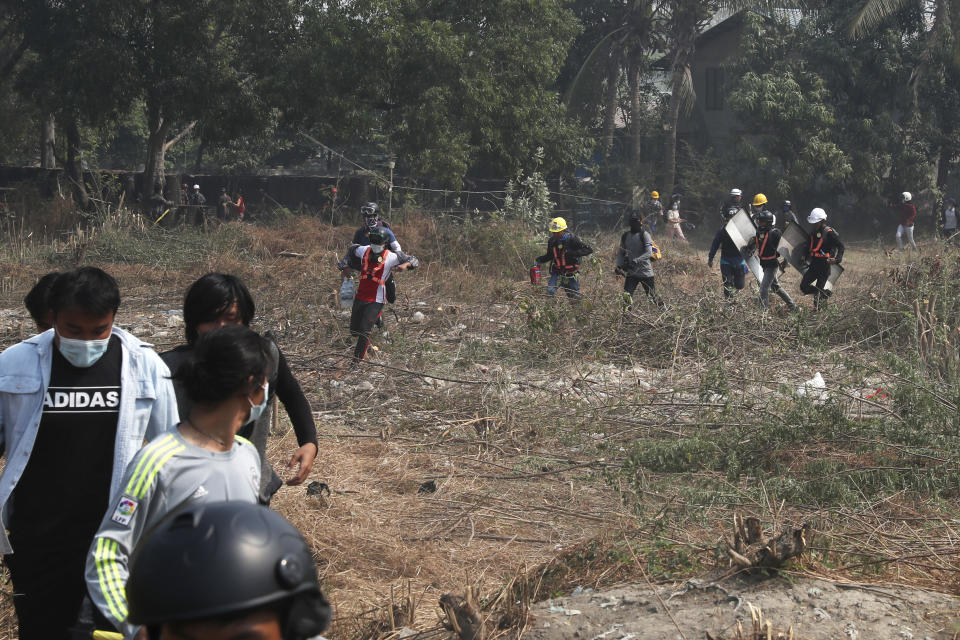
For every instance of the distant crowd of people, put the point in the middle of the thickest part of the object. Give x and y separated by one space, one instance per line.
193 206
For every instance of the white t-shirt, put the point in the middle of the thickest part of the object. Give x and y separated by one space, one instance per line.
390 262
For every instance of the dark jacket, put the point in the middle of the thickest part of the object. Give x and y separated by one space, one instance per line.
831 245
728 250
767 243
565 253
729 203
360 236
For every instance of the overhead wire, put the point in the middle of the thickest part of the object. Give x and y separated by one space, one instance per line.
386 181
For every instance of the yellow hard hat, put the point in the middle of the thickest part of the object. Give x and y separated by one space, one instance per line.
655 194
759 199
558 224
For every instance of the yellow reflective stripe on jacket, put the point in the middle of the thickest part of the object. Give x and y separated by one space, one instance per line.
151 474
106 570
146 455
119 584
243 440
156 459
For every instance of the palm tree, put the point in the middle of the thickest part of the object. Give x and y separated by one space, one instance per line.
629 32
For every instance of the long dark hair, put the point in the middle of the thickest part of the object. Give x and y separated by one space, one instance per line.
210 296
222 363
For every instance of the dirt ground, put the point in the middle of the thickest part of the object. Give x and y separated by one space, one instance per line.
815 609
458 456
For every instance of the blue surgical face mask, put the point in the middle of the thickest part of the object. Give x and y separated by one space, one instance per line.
82 353
256 410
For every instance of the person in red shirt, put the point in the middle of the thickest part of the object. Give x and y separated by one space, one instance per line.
908 215
240 207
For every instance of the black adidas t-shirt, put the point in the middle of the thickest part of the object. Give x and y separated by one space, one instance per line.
65 489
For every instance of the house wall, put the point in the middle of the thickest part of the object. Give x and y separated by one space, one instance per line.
710 127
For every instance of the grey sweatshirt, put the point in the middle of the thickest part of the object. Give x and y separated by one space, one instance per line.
634 254
168 473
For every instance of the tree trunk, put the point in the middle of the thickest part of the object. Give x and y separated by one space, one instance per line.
635 118
673 121
610 106
153 171
48 141
75 162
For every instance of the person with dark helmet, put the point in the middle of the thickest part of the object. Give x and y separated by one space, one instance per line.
370 212
633 260
767 240
226 570
732 265
375 263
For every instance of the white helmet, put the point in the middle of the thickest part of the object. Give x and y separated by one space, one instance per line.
906 196
736 192
196 186
817 215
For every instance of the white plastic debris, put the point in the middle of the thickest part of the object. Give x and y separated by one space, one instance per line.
814 388
418 317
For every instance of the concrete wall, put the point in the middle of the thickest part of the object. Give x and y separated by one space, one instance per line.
709 127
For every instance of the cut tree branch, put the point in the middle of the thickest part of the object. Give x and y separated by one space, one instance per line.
179 136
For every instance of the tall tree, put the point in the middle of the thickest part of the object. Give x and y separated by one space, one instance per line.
445 86
626 40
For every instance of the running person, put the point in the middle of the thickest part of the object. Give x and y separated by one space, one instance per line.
203 460
564 250
732 265
822 250
766 241
908 216
375 263
371 218
217 300
633 260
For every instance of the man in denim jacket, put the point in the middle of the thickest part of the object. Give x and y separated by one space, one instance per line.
76 403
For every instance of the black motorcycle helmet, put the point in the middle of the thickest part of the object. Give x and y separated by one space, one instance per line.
376 235
224 558
371 214
765 217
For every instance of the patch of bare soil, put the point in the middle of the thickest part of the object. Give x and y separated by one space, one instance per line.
815 609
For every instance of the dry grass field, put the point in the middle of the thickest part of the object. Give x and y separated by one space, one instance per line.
521 447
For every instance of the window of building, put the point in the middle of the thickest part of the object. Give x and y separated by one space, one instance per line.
713 98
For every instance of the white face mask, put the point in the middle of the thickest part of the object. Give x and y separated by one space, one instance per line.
256 410
82 353
376 248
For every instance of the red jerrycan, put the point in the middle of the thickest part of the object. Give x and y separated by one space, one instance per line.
535 274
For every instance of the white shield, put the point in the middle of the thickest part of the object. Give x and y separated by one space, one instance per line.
793 249
742 231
